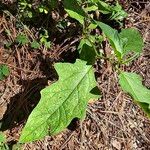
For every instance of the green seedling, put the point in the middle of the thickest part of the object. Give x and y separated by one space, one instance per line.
4 72
22 39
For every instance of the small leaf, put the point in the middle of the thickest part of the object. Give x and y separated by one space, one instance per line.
47 44
45 11
117 13
22 39
133 40
74 10
62 101
1 76
8 44
41 9
92 26
132 84
17 147
91 8
30 15
113 37
104 7
43 40
5 70
2 138
35 45
53 4
87 51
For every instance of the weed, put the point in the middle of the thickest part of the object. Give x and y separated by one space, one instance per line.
4 72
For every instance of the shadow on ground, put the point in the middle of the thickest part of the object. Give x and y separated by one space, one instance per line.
22 104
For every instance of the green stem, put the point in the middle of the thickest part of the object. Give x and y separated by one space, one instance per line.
131 58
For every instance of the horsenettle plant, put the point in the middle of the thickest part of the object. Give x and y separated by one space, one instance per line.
68 97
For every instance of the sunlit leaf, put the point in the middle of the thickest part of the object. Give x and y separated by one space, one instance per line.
2 138
133 40
132 84
113 37
62 101
4 71
22 39
74 10
35 44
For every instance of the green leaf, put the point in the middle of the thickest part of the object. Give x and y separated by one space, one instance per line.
132 84
62 101
133 40
4 72
30 15
7 44
2 138
87 51
53 4
74 10
35 45
47 44
113 37
22 39
91 8
17 147
104 7
1 73
45 11
92 26
118 13
41 9
1 76
43 40
115 12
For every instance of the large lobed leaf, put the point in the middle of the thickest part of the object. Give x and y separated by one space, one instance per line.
62 101
132 84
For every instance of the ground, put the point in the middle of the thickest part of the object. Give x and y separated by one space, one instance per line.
114 122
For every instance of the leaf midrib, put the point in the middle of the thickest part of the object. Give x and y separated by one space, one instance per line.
72 91
64 100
